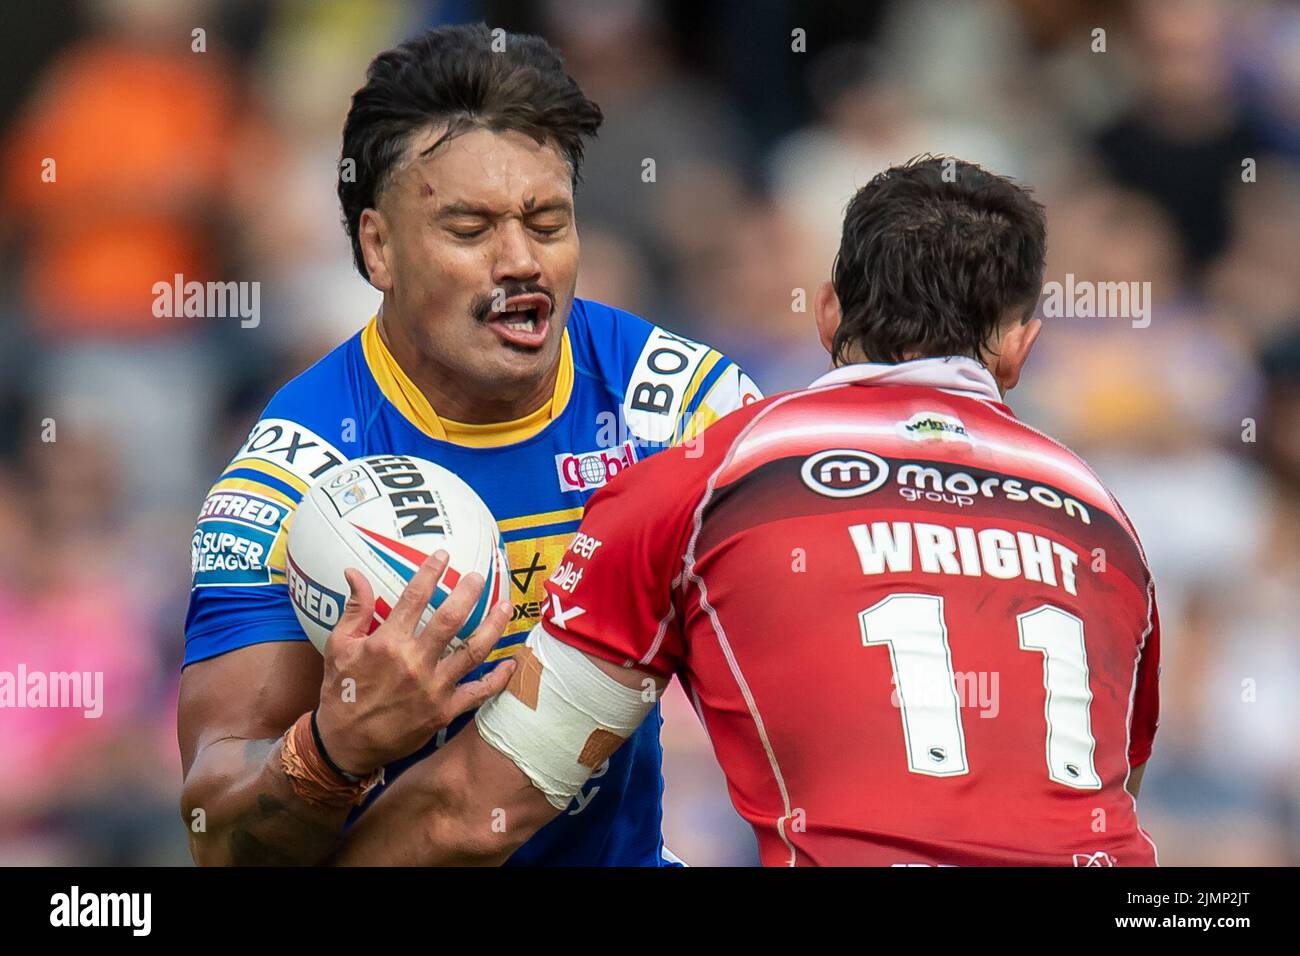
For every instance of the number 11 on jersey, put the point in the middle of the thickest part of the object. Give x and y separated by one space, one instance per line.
912 627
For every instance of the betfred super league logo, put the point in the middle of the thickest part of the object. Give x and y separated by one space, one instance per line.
594 469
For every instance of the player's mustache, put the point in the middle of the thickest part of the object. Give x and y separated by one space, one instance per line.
481 306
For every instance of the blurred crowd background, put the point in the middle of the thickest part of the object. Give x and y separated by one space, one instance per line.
221 165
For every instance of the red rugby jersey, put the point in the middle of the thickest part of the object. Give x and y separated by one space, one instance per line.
917 630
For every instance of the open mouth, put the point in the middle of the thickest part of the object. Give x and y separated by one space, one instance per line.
524 320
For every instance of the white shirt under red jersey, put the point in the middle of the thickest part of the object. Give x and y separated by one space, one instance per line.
917 630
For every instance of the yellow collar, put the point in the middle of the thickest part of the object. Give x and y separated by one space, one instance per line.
412 405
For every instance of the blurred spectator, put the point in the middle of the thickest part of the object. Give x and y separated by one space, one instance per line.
622 56
1185 139
121 159
866 124
1229 778
119 163
313 57
757 293
1255 283
64 609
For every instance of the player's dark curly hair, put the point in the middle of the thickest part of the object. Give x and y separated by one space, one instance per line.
453 75
936 253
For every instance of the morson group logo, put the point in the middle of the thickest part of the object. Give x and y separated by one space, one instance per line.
593 469
844 472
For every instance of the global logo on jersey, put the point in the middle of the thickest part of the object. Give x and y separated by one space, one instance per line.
844 472
924 426
593 469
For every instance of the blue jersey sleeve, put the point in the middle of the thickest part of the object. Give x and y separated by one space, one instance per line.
224 619
238 594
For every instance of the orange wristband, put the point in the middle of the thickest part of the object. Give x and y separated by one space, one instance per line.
311 778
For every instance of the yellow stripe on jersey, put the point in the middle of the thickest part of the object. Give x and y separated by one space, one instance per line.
493 434
275 559
537 520
705 367
704 417
412 404
396 384
256 487
267 468
501 652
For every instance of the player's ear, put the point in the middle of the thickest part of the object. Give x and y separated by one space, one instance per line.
826 308
1014 345
372 233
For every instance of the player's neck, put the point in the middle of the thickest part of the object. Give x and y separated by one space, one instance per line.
855 356
452 397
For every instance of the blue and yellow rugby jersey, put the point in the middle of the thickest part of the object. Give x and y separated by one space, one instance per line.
625 389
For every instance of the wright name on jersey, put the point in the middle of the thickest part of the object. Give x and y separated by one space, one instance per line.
626 389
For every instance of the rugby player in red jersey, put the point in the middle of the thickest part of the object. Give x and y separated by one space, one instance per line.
917 630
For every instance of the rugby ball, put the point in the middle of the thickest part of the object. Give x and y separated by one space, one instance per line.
384 514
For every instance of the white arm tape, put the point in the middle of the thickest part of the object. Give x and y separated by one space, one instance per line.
574 700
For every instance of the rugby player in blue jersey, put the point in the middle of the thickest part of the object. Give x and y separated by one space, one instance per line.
459 160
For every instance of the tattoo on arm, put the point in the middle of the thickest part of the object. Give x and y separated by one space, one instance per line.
267 824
